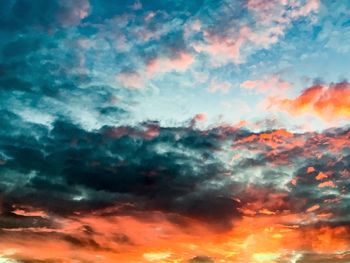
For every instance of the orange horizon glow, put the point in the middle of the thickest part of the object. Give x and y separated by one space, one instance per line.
264 238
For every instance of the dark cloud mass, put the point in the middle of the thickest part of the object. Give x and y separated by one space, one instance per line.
64 170
165 172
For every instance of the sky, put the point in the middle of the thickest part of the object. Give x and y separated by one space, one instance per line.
174 131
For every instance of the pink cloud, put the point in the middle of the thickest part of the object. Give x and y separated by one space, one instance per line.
271 19
131 80
275 16
200 117
267 84
309 7
137 80
281 11
224 48
222 86
163 65
197 25
29 211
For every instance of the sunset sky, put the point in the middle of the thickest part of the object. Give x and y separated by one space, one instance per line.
174 131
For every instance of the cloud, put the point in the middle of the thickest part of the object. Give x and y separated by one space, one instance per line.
111 189
131 80
330 103
224 48
272 84
200 117
180 62
227 39
326 184
24 14
140 165
219 86
72 12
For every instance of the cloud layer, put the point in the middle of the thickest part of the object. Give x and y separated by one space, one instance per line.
67 185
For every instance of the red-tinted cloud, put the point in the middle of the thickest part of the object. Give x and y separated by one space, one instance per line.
330 103
161 65
267 85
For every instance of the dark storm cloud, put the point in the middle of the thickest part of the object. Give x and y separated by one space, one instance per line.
66 168
12 221
167 171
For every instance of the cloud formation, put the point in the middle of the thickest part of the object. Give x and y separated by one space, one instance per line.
114 146
75 183
329 103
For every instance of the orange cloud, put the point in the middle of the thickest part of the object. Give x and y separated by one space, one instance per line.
137 80
267 234
313 208
272 144
310 169
327 102
266 238
327 184
28 211
321 176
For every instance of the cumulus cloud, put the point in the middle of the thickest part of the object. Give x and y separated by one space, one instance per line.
328 102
